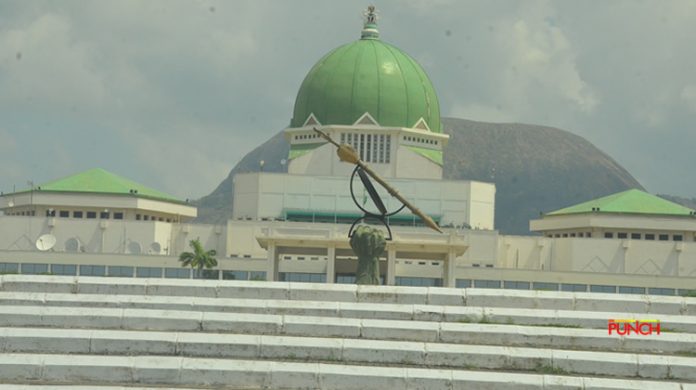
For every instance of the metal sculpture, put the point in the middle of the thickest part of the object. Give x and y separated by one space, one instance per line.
346 153
368 244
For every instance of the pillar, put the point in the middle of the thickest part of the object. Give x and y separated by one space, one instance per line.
449 278
331 264
391 266
272 263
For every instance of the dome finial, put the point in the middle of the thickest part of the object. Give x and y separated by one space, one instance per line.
369 30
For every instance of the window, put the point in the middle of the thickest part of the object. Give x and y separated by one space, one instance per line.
463 283
588 234
417 281
50 213
118 215
516 285
120 271
104 215
206 274
302 277
177 273
64 214
92 270
487 283
608 235
34 269
91 215
635 236
257 275
687 293
664 237
602 289
565 234
631 290
545 286
9 268
137 217
661 291
677 237
345 279
235 275
572 234
77 214
622 235
148 272
63 269
573 287
649 236
146 217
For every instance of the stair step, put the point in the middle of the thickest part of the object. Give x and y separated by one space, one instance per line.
552 300
351 351
253 374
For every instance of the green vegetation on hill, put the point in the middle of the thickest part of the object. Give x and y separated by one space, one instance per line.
535 169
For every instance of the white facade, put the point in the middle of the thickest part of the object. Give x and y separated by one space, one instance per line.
272 196
617 225
92 205
388 150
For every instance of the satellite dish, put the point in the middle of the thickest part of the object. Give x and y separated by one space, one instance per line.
46 242
155 247
134 248
73 244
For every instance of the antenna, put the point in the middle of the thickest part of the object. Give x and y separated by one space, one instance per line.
46 242
155 247
73 245
134 248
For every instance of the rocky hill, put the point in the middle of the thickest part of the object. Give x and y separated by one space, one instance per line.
535 168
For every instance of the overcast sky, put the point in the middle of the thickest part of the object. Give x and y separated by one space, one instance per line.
173 93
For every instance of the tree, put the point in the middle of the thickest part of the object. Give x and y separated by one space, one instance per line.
199 258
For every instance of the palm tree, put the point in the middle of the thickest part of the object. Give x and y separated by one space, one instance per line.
199 258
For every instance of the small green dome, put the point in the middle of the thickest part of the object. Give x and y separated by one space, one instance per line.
367 76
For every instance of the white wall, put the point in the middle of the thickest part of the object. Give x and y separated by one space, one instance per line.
267 195
598 255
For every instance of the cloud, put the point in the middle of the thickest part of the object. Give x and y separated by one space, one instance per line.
173 93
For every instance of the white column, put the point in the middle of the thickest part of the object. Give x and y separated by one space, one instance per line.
449 278
391 266
272 263
331 264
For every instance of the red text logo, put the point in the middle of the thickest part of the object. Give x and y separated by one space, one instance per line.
628 327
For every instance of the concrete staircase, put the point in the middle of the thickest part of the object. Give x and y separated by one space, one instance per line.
113 333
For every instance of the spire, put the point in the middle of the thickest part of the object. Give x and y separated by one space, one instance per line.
369 30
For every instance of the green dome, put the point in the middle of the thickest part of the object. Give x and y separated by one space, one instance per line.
367 76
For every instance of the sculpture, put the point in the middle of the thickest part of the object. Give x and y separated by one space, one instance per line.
368 244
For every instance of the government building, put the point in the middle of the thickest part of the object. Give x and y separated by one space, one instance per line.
294 226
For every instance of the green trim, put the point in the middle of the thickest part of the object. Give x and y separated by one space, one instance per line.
431 154
302 149
290 213
628 202
102 182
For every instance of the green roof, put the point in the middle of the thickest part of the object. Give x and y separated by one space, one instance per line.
629 202
100 181
431 154
371 76
298 150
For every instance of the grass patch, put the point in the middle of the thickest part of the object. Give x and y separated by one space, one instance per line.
551 370
557 326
